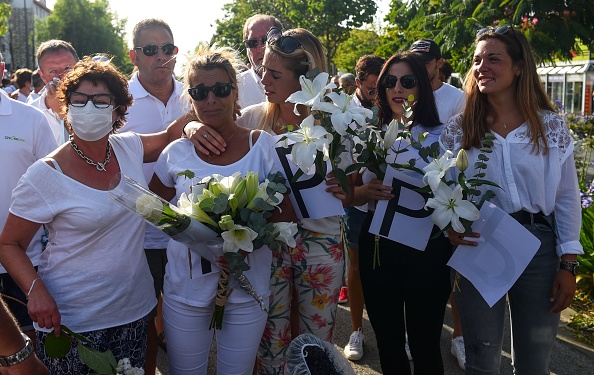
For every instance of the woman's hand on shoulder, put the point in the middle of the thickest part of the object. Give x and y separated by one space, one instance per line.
205 139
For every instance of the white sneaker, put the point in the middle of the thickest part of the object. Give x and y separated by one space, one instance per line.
458 351
407 348
354 349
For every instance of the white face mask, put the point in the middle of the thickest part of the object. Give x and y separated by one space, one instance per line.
90 123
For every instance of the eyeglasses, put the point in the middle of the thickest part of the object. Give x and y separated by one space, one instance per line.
253 43
79 99
220 90
285 44
407 81
152 49
499 30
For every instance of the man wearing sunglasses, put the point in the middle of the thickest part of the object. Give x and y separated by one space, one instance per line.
55 58
156 104
251 90
449 101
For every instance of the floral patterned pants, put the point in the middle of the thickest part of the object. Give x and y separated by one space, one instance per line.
315 270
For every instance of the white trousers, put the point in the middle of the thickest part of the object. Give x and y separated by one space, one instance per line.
189 339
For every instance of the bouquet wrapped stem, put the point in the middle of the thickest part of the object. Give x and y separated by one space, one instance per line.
217 317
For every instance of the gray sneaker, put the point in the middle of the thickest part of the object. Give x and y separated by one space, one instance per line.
354 349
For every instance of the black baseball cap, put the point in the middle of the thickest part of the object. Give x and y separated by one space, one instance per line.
427 49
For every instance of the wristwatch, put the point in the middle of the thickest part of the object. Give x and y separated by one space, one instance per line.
20 356
571 266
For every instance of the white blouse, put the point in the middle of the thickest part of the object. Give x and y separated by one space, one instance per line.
531 182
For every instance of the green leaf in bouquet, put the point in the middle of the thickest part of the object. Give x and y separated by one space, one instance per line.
480 175
57 346
102 362
236 264
187 174
483 157
480 165
486 149
342 179
480 182
221 203
487 196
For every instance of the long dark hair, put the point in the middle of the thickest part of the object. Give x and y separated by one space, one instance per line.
425 110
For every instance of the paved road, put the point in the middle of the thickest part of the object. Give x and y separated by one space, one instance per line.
567 357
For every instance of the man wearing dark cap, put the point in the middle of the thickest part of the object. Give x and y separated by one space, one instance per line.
449 101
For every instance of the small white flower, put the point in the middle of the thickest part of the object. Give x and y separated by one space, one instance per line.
449 207
311 91
238 238
287 231
391 134
435 170
261 193
149 207
190 206
309 139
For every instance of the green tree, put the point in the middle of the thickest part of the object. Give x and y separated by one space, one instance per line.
5 11
553 28
91 27
330 20
359 43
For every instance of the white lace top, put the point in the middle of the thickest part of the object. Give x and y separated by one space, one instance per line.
529 181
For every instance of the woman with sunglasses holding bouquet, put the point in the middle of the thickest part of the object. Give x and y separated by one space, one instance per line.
532 161
191 281
418 281
313 270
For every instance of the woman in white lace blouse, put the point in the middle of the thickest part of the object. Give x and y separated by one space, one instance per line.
532 161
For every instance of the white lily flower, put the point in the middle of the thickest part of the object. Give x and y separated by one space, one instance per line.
435 170
309 139
149 207
449 207
191 207
311 91
342 113
391 134
287 231
238 238
228 184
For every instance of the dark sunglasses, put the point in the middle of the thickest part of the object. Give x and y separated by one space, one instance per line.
497 30
407 81
253 43
152 49
285 44
220 90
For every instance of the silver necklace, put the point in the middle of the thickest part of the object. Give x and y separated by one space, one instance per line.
100 166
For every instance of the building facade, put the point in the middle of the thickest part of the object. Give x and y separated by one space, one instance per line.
18 45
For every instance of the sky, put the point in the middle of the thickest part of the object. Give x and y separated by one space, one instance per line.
191 21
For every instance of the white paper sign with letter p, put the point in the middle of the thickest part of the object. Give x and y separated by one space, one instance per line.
403 219
308 194
503 252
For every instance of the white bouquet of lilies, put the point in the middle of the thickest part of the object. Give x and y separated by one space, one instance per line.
237 208
456 203
324 134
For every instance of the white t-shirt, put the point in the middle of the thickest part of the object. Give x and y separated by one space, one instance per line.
149 115
94 264
57 125
449 101
250 118
22 98
200 289
25 137
251 90
532 182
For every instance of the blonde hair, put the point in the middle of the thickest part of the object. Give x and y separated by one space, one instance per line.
303 59
530 95
207 57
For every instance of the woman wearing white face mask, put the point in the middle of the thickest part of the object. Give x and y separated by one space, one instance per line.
93 276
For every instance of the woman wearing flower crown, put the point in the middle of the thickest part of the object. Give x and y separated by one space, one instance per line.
418 280
92 276
532 162
191 281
